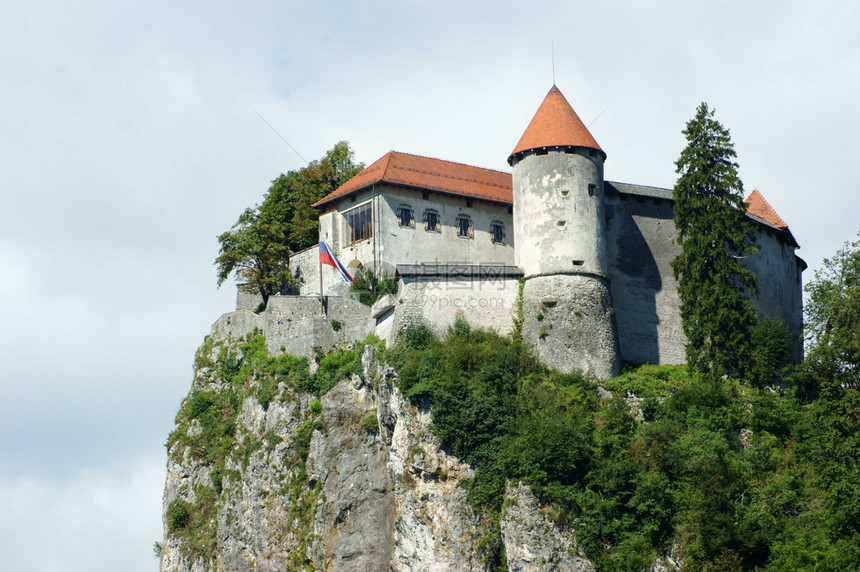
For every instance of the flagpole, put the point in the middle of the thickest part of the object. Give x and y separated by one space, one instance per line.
322 303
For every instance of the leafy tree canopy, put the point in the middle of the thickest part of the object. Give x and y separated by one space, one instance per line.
714 234
833 317
257 248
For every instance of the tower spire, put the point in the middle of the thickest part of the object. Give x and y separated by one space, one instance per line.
555 124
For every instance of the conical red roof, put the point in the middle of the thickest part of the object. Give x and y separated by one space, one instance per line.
556 124
759 207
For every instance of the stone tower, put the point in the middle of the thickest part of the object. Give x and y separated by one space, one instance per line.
559 228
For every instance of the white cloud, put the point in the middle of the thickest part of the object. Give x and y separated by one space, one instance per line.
128 141
92 520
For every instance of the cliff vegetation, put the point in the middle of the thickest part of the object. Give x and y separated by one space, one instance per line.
467 452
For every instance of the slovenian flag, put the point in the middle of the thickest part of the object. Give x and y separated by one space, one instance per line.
328 257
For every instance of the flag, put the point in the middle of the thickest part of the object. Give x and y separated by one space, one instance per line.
328 257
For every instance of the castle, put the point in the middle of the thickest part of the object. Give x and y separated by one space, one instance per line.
584 261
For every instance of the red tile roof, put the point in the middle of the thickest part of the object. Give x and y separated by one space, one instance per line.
555 124
759 207
429 174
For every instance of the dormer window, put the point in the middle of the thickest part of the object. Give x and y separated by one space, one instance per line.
406 216
464 226
431 221
497 232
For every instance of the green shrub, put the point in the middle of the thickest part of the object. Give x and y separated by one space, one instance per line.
460 328
178 514
648 380
216 478
371 288
369 423
302 438
417 337
338 365
650 405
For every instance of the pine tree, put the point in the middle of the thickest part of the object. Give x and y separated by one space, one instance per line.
714 234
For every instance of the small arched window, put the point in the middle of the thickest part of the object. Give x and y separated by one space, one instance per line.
464 226
431 221
405 216
497 232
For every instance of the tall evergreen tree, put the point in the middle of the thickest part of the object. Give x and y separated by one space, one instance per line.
714 234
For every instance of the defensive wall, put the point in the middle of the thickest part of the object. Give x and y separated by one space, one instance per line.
640 239
436 295
433 295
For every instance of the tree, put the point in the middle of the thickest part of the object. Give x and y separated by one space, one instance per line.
291 196
257 248
714 234
833 317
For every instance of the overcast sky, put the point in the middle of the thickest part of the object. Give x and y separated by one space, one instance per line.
129 141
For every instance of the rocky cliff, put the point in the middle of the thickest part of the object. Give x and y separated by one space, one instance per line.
262 475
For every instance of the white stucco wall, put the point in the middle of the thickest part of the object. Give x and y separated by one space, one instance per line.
306 267
393 244
557 222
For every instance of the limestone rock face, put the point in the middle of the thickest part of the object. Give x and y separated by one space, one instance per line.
375 491
532 541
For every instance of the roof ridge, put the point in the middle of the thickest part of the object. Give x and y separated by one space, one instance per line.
447 176
638 185
449 161
387 158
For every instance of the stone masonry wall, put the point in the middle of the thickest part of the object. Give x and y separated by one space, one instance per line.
294 324
569 321
483 302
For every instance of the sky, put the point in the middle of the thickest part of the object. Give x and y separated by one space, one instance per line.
130 138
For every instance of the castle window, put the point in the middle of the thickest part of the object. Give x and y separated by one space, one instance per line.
592 190
431 221
497 233
406 216
464 226
359 223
